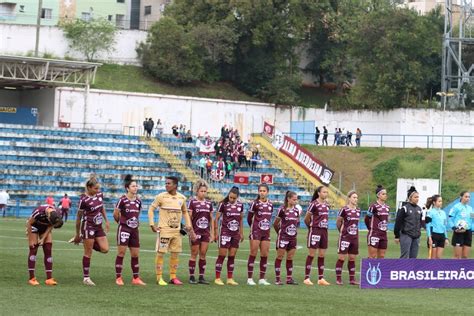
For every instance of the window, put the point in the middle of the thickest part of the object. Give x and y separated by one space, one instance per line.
120 20
86 16
46 13
110 17
120 1
22 9
147 9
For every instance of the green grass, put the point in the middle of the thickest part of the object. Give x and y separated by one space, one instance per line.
70 297
133 79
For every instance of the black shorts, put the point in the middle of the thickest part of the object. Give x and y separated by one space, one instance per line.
438 240
462 239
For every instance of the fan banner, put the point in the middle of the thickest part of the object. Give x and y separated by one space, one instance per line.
268 129
241 178
206 149
266 178
416 273
304 158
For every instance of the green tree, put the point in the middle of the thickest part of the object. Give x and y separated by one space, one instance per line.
396 55
90 37
169 53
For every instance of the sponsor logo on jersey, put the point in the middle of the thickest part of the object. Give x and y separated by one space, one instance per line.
352 229
97 219
374 241
132 222
233 225
315 239
382 225
291 230
124 236
344 245
264 224
225 239
202 223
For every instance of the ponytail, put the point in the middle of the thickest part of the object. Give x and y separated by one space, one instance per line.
316 193
431 201
234 190
288 195
128 180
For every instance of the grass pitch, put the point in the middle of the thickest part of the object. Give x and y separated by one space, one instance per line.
70 297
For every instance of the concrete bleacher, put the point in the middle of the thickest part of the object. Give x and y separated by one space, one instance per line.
38 161
280 185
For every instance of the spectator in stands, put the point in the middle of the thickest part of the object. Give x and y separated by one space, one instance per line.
188 137
182 131
65 205
202 166
317 133
255 159
349 138
174 130
188 155
229 169
358 137
49 200
159 128
325 136
145 124
336 137
248 156
209 165
4 197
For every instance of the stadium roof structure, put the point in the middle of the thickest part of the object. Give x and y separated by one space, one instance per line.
23 73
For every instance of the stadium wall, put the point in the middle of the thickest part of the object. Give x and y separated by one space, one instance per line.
125 111
20 40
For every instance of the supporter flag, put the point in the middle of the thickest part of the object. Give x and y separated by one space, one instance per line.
241 178
205 149
266 178
268 129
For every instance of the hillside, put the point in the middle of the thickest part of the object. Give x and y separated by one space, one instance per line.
133 79
367 167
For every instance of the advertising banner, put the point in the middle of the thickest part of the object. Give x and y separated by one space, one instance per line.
416 273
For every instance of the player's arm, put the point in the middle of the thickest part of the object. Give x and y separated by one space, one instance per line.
451 218
45 235
213 235
151 218
107 223
250 214
29 224
307 219
368 217
428 223
116 215
276 224
399 223
216 224
339 222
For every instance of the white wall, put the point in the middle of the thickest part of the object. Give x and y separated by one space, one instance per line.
116 110
20 40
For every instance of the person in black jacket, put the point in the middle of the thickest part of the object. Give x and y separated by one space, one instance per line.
408 225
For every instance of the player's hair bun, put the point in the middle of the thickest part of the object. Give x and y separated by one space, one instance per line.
128 178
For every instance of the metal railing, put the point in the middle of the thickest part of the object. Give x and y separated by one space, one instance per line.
391 140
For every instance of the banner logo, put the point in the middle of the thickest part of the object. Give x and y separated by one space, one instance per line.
373 275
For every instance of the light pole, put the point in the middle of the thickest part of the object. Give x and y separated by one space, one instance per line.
444 96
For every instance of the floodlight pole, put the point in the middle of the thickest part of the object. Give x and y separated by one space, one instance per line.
442 146
38 25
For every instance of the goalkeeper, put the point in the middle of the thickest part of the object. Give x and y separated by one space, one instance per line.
172 208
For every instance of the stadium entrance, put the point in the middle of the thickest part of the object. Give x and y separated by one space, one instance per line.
27 87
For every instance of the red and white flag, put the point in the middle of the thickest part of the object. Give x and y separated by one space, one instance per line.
241 178
266 178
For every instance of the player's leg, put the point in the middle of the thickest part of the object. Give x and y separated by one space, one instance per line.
88 244
192 261
309 264
351 266
341 257
33 250
101 244
230 265
466 251
121 250
203 247
279 258
175 249
254 246
223 250
134 262
321 258
264 251
48 258
289 267
415 244
372 252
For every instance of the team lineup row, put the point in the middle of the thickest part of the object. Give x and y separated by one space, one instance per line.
226 228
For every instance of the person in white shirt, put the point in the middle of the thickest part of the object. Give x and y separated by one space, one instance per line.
4 197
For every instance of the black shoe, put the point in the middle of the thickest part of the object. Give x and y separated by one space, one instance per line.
291 282
192 280
203 281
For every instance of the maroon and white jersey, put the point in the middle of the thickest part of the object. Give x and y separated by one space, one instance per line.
319 214
39 215
231 218
92 207
262 216
289 223
350 224
129 211
379 217
201 216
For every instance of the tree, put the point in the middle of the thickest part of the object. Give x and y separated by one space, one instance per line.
90 37
169 53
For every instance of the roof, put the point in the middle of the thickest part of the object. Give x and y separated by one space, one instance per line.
18 72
